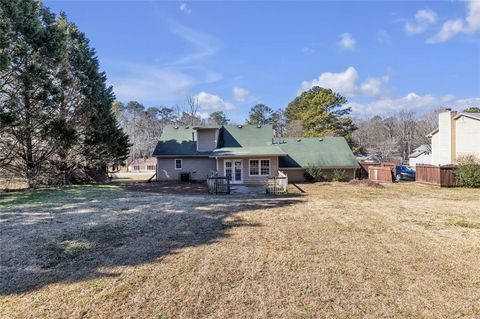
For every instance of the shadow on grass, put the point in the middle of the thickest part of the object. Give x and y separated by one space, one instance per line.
75 234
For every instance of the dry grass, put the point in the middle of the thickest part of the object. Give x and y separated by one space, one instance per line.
340 251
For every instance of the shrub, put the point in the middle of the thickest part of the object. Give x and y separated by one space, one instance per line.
339 176
468 171
313 173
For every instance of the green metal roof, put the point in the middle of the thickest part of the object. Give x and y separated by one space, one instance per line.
245 135
178 140
270 150
325 152
252 140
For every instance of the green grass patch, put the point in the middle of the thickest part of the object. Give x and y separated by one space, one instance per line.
72 194
467 224
103 232
65 251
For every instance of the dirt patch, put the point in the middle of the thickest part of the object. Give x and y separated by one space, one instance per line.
173 188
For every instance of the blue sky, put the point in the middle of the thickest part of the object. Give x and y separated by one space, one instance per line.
384 56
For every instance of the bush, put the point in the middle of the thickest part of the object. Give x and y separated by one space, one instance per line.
468 171
313 174
339 176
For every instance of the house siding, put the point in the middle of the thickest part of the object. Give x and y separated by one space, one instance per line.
446 138
468 136
435 149
199 167
245 162
421 159
207 140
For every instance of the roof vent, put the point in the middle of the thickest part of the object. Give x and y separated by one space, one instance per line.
259 126
175 127
186 127
320 139
240 126
299 139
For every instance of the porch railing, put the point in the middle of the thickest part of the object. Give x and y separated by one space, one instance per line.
218 185
278 184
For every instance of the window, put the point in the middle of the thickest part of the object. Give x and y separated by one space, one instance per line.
150 167
259 167
265 167
178 164
136 167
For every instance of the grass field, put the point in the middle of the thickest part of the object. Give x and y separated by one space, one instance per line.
336 251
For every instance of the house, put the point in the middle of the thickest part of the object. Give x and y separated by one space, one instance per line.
143 165
457 134
248 154
420 155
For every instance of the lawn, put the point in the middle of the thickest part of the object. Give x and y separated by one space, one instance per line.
336 251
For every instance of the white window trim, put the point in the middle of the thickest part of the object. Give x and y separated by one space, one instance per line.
232 161
260 166
175 164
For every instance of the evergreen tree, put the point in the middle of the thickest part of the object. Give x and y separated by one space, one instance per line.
218 118
321 112
55 108
260 114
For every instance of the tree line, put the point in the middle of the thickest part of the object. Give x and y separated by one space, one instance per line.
317 112
56 118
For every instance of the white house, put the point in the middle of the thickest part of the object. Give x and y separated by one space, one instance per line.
420 155
457 134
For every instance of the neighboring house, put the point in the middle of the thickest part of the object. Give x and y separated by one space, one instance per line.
248 154
420 155
457 134
143 165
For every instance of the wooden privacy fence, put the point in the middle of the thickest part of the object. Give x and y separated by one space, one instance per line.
443 176
277 185
218 185
380 174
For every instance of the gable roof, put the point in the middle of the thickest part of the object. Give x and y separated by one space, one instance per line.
325 152
245 135
178 140
475 116
422 149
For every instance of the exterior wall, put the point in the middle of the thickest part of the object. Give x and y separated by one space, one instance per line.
446 148
298 175
421 159
435 158
246 170
199 167
467 137
207 139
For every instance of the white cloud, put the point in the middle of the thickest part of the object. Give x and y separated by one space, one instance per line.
471 24
347 42
383 37
422 21
346 83
184 8
204 45
240 94
411 101
210 102
308 50
152 83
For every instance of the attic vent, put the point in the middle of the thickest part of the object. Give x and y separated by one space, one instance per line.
240 126
299 139
320 139
175 127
